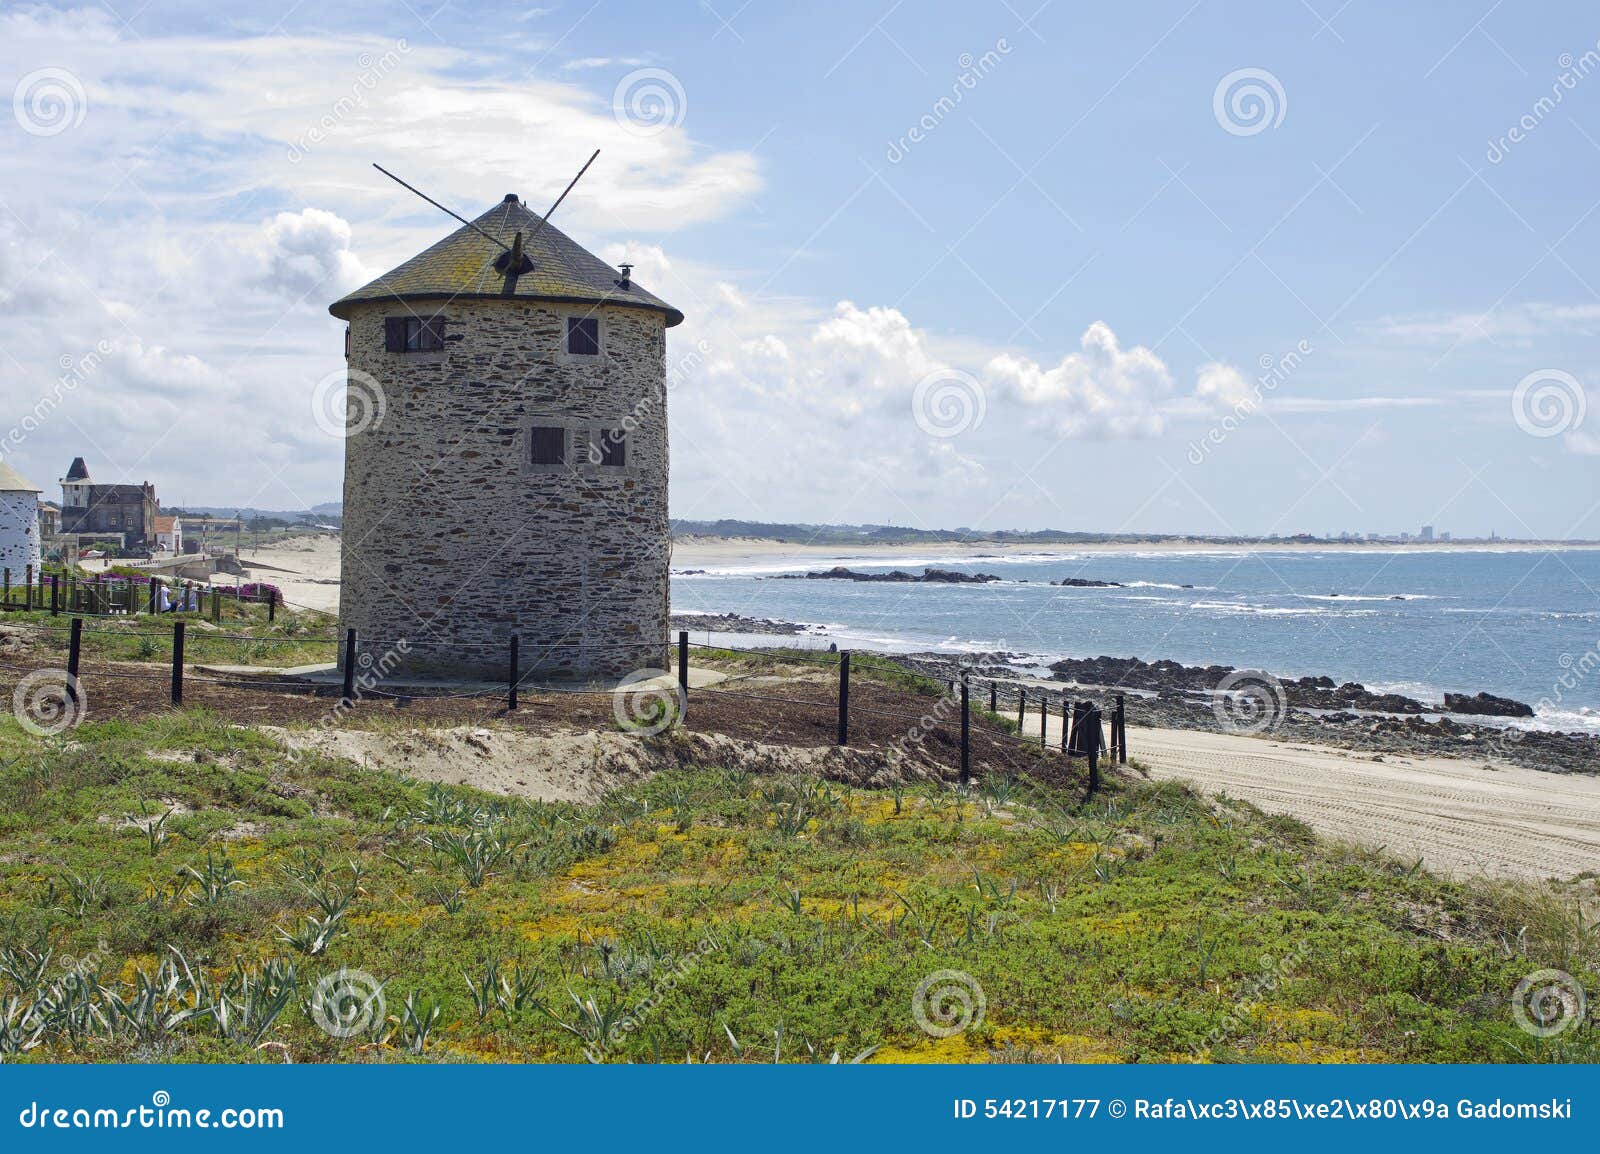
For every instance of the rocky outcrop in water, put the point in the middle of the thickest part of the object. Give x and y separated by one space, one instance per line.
1486 705
942 576
1087 583
734 623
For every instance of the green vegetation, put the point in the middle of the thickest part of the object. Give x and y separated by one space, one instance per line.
242 636
186 889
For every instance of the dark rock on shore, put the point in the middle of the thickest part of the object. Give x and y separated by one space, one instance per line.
1486 705
1171 677
1087 583
734 623
1165 694
943 576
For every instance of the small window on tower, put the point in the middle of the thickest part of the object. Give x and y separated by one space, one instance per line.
413 334
583 336
547 445
612 447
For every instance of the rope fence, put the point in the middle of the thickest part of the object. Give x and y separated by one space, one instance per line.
1081 723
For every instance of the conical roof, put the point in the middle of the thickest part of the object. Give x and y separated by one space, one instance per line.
12 481
462 265
77 471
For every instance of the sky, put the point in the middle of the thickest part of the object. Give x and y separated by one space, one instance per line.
1224 268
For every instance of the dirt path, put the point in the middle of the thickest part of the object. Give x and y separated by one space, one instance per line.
1459 817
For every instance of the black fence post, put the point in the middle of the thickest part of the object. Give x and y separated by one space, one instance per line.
1122 732
349 698
994 698
1065 724
844 697
27 594
55 596
683 663
8 587
272 606
177 663
1072 739
511 697
151 609
74 651
1022 709
966 736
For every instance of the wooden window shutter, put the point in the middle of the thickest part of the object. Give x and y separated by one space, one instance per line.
394 334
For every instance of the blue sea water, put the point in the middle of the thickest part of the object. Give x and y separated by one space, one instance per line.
1516 623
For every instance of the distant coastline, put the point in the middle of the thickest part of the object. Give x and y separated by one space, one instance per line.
695 550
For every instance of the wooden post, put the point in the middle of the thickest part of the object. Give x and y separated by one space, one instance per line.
349 698
216 605
74 651
272 606
55 596
511 697
966 737
844 697
1044 720
177 663
27 595
1022 708
8 587
683 663
151 609
994 695
1122 732
1076 717
1065 724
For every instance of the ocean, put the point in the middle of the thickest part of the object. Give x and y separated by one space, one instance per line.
1520 624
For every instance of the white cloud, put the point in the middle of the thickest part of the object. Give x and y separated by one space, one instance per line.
1516 323
1101 389
1223 385
309 252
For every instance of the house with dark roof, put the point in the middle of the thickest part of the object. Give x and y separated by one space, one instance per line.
506 458
126 510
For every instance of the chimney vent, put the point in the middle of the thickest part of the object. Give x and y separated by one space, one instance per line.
627 276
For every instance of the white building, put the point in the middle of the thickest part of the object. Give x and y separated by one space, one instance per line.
19 523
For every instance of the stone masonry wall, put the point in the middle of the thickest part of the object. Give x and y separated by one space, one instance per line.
19 534
453 540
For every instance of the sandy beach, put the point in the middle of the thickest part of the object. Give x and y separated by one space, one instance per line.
742 552
305 568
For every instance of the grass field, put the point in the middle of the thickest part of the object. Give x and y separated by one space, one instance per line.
185 889
242 636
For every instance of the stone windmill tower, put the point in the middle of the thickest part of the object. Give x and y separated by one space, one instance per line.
506 458
19 523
